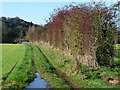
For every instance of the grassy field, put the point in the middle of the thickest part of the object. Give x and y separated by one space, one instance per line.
86 78
21 61
11 54
17 65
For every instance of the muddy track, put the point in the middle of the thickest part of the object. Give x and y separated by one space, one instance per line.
59 73
33 58
35 64
9 72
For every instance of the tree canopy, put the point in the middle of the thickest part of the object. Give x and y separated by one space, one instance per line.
13 29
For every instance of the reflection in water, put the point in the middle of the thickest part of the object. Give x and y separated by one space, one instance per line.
38 82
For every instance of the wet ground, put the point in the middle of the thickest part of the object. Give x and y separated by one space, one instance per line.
38 82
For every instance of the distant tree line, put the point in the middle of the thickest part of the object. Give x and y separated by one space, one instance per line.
33 33
87 32
14 29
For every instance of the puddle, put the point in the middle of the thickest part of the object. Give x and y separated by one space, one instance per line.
38 82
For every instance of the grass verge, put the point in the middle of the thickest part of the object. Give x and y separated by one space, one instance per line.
86 78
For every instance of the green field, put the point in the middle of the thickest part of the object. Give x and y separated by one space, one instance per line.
11 54
17 65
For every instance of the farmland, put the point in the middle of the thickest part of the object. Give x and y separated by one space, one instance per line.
21 61
78 46
21 66
11 54
17 65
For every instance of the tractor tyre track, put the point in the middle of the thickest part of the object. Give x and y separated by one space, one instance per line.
59 73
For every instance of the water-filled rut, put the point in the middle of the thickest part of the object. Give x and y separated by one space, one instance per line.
38 82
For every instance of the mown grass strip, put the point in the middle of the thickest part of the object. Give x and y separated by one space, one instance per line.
16 52
46 70
23 73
